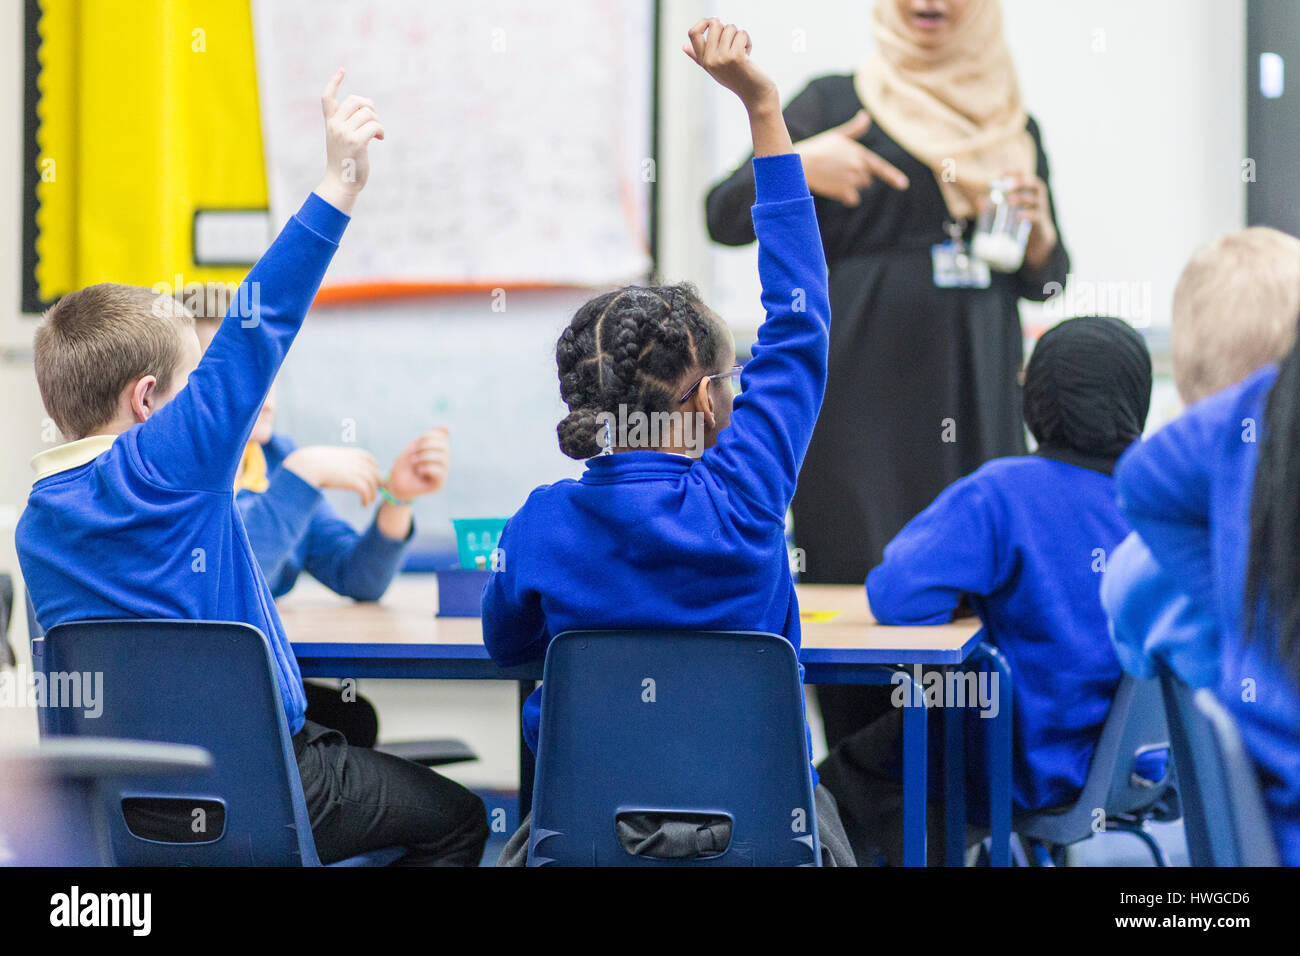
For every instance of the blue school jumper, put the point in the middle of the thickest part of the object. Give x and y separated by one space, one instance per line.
1026 540
1187 491
144 524
292 529
1152 618
649 539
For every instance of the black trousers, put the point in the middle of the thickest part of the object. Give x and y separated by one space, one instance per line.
360 800
860 773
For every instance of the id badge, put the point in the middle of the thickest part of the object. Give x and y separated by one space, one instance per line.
956 268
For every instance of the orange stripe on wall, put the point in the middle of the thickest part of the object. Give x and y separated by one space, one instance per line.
352 292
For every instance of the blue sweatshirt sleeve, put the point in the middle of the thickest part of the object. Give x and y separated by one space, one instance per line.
276 521
359 566
949 549
760 453
195 441
1164 488
514 627
1151 618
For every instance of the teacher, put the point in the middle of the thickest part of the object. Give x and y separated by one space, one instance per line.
923 383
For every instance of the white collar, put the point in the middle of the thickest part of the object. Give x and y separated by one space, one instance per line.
73 454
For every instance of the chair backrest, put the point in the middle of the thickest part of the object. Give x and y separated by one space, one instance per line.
1202 782
205 683
35 638
50 813
1252 835
6 616
675 722
1136 724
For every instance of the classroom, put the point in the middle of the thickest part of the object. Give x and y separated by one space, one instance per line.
651 433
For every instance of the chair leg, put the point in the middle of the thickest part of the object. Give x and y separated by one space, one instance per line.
1042 855
1140 831
1018 857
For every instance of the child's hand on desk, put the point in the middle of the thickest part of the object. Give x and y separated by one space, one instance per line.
349 128
421 468
349 469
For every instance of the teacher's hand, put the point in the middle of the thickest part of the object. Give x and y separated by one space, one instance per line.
1030 199
838 167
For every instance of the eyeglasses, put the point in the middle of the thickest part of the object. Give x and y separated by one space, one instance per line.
733 376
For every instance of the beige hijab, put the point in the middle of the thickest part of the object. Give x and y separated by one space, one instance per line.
956 106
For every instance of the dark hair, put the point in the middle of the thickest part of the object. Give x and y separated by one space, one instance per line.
631 347
1273 573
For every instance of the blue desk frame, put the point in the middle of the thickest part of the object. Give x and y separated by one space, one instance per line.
821 665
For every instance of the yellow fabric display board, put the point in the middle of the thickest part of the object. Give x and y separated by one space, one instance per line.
148 112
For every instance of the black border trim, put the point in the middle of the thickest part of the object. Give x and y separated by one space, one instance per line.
30 298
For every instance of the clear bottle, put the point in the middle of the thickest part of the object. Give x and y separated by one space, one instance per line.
1000 236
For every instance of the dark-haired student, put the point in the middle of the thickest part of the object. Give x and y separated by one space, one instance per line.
690 533
1215 495
1023 541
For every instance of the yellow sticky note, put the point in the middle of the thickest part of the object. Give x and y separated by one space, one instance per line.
817 617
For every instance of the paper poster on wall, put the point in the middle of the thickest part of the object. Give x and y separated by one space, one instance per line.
518 140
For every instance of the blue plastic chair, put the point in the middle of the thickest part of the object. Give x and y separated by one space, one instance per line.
50 811
35 633
206 683
6 614
1202 783
1134 725
1223 813
674 722
1251 831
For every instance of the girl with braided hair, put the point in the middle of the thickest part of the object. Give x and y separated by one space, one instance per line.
686 529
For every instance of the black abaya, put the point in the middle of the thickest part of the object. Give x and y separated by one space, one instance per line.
923 381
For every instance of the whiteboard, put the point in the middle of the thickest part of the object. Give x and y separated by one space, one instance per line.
517 145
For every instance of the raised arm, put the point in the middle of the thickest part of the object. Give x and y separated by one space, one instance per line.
760 453
195 440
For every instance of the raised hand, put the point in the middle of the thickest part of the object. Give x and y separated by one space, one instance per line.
349 128
722 50
839 167
421 468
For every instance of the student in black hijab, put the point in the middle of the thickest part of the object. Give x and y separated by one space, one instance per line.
1087 391
1023 542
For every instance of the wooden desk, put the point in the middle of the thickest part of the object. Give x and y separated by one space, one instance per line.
401 633
400 637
